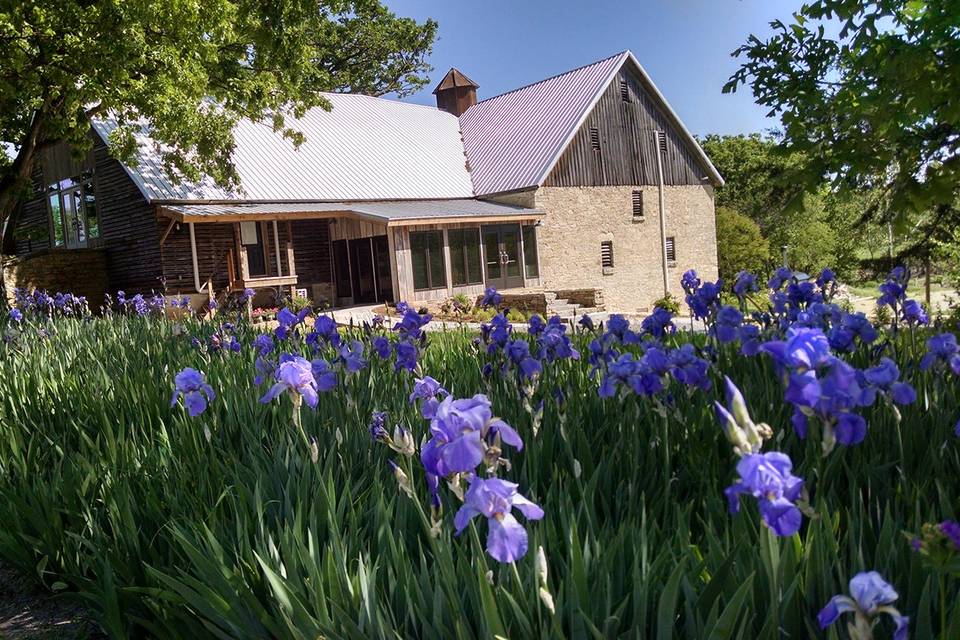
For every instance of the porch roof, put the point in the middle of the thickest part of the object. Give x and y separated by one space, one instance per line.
390 213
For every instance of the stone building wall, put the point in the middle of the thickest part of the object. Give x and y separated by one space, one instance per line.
578 219
59 271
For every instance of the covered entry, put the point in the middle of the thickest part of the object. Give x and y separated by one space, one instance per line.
362 269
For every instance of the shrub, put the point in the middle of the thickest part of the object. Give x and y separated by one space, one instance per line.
740 245
669 303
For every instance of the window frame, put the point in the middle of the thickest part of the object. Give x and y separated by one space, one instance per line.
637 203
671 248
57 190
431 285
530 259
463 231
606 255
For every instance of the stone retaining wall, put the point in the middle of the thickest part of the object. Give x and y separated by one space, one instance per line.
82 272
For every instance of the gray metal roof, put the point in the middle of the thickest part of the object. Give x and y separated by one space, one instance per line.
514 140
387 212
365 148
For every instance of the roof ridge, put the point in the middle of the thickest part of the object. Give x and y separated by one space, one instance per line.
557 75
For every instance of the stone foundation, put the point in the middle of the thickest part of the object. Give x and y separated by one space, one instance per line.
82 272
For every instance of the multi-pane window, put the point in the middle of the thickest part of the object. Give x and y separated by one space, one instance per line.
531 266
426 248
73 211
465 265
606 254
671 249
638 205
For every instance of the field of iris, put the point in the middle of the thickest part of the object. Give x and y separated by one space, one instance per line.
312 482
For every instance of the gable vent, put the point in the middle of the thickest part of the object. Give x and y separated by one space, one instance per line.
662 140
637 204
606 254
595 138
624 91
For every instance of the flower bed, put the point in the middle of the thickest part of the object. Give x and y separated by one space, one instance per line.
198 479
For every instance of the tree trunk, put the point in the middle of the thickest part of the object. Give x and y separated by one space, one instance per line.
11 185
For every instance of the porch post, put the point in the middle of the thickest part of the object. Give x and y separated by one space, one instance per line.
276 247
394 276
447 266
193 256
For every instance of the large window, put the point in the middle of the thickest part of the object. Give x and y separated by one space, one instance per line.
531 265
73 212
465 267
426 248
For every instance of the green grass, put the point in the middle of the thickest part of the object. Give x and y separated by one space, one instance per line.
114 497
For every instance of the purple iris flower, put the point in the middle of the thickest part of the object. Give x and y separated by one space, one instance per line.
727 323
287 318
749 339
411 324
324 374
406 355
535 325
381 346
586 322
780 276
378 429
553 343
191 385
16 315
427 389
802 350
870 595
247 294
294 374
495 500
263 343
491 298
768 477
745 284
705 300
459 429
951 529
324 328
659 323
942 348
618 328
826 278
688 368
689 281
884 377
351 355
913 313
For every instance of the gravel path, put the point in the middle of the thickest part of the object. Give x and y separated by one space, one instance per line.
27 612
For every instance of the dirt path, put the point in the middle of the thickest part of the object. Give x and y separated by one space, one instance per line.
26 612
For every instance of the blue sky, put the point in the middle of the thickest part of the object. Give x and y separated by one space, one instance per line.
684 45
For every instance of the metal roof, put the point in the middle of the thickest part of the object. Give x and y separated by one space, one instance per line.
365 148
389 212
513 140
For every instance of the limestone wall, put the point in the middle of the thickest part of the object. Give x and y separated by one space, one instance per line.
578 219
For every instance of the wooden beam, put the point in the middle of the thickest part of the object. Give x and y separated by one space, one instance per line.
166 232
291 268
276 247
411 222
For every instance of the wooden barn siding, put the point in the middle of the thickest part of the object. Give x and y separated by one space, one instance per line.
33 213
311 251
627 144
127 220
128 226
214 241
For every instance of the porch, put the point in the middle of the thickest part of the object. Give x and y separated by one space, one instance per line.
353 253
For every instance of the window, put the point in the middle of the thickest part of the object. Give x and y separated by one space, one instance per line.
429 271
625 91
638 205
465 267
606 254
73 211
595 138
530 264
671 250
